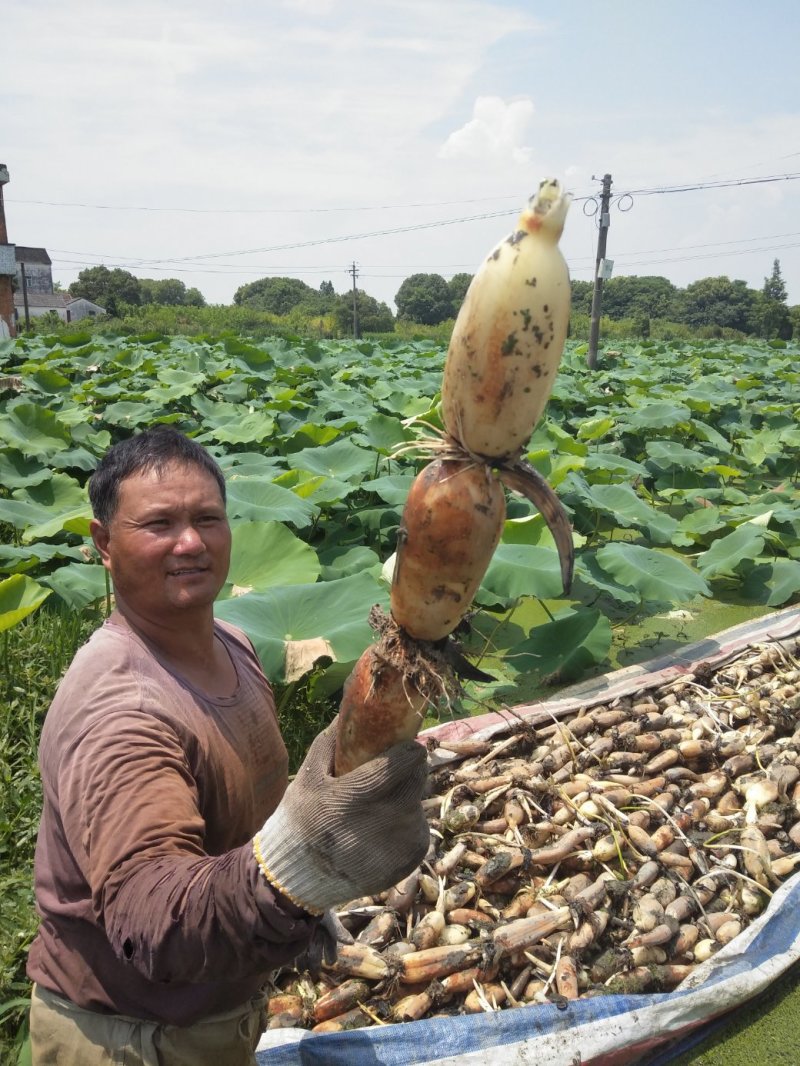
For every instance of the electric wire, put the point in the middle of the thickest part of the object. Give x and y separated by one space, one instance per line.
198 262
704 185
645 191
231 268
260 210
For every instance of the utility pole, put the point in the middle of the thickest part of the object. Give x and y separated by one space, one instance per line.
8 268
354 275
600 273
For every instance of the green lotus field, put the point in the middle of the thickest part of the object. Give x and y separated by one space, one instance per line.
677 463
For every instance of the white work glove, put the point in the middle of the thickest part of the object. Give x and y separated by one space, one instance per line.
333 839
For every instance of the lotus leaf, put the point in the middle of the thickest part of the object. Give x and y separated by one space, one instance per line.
334 610
79 584
19 597
16 470
562 650
266 554
726 553
344 562
341 459
259 500
773 583
659 415
654 574
33 430
518 570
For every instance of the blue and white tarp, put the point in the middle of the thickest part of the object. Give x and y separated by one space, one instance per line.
602 1031
650 1029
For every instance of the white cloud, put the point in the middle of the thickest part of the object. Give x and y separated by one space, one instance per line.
272 100
271 121
497 132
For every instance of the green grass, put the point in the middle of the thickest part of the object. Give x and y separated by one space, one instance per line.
764 1033
33 655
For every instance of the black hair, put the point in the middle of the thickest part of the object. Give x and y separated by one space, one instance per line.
153 449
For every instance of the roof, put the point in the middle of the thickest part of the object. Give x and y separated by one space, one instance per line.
52 299
43 299
32 255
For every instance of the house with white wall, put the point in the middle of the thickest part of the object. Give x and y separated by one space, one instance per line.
36 289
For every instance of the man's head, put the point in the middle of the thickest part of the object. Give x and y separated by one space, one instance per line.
154 449
161 527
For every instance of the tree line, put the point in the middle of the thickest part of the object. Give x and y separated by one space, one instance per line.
117 290
293 298
711 305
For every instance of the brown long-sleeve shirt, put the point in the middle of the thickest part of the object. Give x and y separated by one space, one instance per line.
150 899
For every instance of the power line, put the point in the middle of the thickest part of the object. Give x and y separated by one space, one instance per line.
447 222
752 166
136 262
574 263
231 268
703 185
331 240
91 257
262 210
713 244
197 260
715 255
656 190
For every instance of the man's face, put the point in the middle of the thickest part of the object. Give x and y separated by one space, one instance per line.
168 546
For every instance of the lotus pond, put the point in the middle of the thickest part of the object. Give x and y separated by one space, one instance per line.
677 463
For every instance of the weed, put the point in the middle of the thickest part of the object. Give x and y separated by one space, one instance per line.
33 656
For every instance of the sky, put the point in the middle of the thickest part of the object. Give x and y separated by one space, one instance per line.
220 143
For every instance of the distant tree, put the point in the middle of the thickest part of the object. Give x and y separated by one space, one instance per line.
167 291
424 298
774 287
373 317
458 285
718 302
582 297
147 291
111 289
276 295
774 317
194 298
171 292
632 296
325 299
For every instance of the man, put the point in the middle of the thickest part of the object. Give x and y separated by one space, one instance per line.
174 868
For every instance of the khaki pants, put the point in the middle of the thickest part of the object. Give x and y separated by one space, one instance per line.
65 1035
